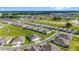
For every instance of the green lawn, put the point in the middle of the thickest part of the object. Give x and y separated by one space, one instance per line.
10 30
73 44
75 27
46 22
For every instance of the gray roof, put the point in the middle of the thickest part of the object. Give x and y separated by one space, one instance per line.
45 47
62 39
30 27
17 39
33 36
31 49
46 31
4 40
41 30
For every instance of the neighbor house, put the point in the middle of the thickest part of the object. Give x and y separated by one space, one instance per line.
24 25
50 27
17 41
18 25
30 27
56 28
35 28
34 38
69 30
32 48
41 30
47 31
4 40
60 29
62 39
45 47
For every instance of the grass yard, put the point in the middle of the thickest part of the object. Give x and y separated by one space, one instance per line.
51 23
75 28
62 20
10 30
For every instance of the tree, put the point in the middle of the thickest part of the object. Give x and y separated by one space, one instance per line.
57 18
4 15
68 24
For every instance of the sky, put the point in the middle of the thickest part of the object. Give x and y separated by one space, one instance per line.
42 5
39 3
39 8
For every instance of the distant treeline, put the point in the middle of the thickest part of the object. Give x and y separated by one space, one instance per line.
35 12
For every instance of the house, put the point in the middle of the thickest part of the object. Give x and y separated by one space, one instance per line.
32 48
34 38
60 29
17 41
64 30
45 26
18 49
30 27
41 30
38 25
24 25
69 30
8 21
45 47
36 28
56 28
62 39
18 25
47 31
4 40
50 27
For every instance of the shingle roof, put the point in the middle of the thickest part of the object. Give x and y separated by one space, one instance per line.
45 47
31 37
62 39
